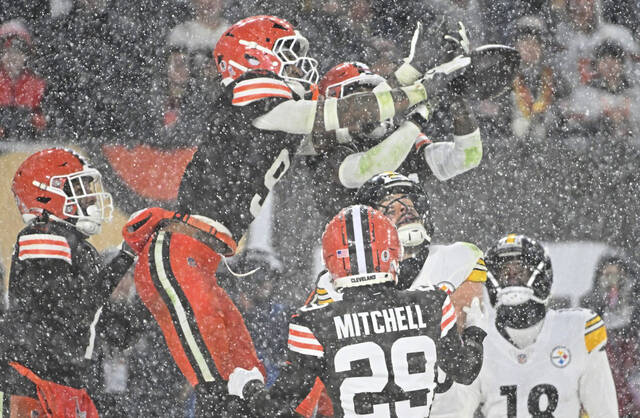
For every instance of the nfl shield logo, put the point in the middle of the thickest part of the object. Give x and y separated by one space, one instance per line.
522 358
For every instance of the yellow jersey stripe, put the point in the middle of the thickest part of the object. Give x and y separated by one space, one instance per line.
481 262
325 301
321 291
596 338
593 321
477 276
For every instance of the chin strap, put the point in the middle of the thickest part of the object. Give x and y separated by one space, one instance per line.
362 280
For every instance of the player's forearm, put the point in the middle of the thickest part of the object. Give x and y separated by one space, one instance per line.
462 361
388 155
109 277
358 110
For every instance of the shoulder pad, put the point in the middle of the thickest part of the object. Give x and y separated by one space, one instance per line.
39 246
474 248
422 288
256 86
595 332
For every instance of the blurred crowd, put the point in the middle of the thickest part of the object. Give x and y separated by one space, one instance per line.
561 149
101 70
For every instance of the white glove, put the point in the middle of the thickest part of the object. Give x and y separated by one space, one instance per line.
407 73
475 315
239 378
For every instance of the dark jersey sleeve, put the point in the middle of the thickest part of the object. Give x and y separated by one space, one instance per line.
57 284
234 169
459 358
305 362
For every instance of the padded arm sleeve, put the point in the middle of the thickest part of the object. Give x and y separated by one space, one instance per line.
448 159
388 155
291 116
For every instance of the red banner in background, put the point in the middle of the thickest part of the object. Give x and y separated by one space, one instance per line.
162 168
143 175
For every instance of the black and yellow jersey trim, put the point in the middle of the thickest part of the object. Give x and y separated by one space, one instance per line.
479 272
595 333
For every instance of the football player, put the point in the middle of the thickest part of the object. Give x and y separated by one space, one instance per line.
175 279
458 268
406 148
537 361
267 108
376 350
57 281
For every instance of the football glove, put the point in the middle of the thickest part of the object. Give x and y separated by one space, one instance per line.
475 316
446 80
142 225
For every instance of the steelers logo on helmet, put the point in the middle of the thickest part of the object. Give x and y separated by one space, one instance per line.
361 247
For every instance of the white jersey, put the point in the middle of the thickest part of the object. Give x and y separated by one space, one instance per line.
446 267
564 370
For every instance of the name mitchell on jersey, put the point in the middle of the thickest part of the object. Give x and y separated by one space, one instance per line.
401 318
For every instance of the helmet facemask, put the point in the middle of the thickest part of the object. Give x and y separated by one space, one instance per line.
401 210
520 292
86 203
296 65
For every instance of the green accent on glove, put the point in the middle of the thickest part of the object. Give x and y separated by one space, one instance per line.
472 156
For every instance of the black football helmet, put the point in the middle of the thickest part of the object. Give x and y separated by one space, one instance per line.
519 280
415 231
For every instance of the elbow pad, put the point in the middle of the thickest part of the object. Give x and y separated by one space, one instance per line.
447 159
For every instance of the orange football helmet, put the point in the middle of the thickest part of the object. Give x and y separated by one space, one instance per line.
343 79
58 182
264 43
361 247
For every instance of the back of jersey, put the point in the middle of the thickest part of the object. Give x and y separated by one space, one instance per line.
378 347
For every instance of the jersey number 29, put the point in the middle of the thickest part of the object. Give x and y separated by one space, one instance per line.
401 351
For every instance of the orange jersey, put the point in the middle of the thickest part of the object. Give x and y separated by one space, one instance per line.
203 329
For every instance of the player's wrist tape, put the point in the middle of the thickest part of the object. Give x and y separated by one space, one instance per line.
416 93
407 74
331 121
385 104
